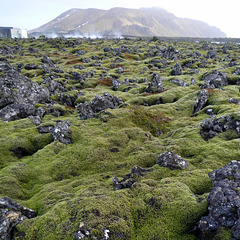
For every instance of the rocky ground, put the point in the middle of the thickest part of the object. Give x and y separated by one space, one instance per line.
119 139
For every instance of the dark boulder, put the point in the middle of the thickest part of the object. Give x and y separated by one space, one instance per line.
129 179
193 81
36 120
62 133
211 127
19 94
16 111
233 100
237 71
48 61
156 83
11 214
172 161
223 201
32 66
177 70
215 79
179 82
88 110
201 101
211 54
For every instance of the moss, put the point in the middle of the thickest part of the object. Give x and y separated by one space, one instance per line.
70 184
154 122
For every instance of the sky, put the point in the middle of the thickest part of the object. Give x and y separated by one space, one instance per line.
30 14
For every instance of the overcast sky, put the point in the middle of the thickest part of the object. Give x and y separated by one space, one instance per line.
30 14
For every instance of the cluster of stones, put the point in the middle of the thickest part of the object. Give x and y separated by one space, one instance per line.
212 126
170 160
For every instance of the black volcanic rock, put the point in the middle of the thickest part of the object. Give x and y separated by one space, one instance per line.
223 202
214 79
11 214
172 161
88 110
19 94
201 101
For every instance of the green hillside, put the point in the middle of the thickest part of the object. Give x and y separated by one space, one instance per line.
71 186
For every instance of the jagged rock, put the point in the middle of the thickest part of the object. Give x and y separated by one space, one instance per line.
62 133
36 120
193 81
201 101
40 112
11 214
48 61
211 54
129 82
33 50
128 179
177 69
223 201
88 110
179 82
156 82
172 161
233 100
78 77
211 127
19 94
54 86
16 111
46 129
237 71
32 66
215 79
82 232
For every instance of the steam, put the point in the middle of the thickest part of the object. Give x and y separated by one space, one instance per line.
76 34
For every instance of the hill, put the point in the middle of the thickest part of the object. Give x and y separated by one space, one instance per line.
123 21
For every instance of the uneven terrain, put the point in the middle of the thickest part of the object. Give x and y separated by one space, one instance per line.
115 138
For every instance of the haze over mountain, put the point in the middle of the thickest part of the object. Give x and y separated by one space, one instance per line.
124 21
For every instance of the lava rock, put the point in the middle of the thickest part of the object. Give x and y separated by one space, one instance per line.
129 179
179 82
16 111
18 93
223 201
233 100
215 79
177 70
156 82
211 127
88 110
201 101
11 214
32 66
172 161
62 133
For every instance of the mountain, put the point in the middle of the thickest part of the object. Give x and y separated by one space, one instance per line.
124 21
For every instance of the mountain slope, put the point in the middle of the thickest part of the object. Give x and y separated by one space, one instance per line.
123 21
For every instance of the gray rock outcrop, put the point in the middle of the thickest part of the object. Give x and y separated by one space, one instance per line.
215 79
88 110
172 161
201 101
18 93
11 214
223 202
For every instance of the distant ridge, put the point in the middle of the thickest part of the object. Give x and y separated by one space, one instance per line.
124 21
